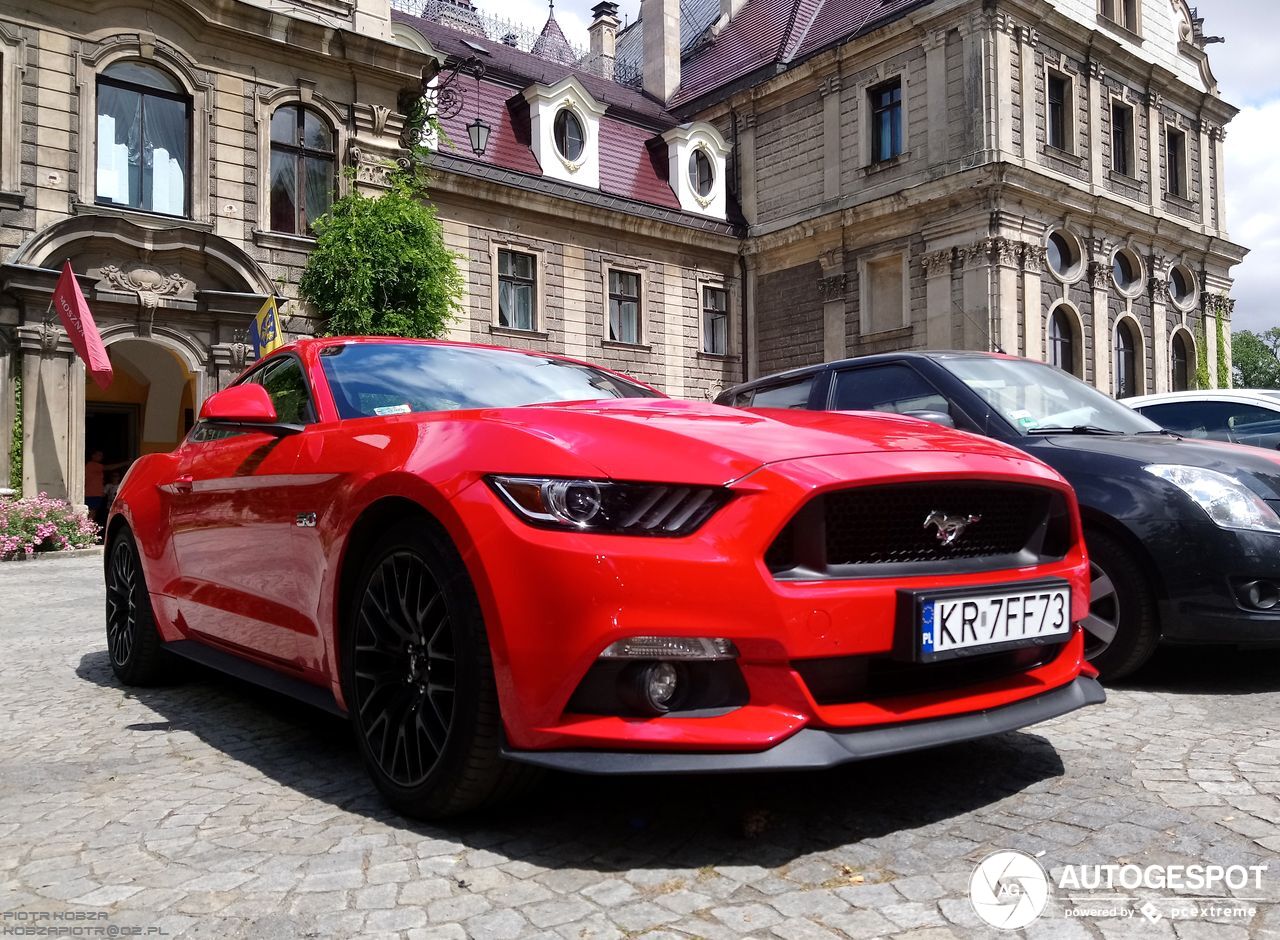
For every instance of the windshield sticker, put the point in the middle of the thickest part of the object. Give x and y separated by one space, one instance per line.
1024 418
392 410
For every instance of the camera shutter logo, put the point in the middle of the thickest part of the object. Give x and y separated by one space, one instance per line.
1009 890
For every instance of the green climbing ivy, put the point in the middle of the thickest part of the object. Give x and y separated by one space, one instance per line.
1202 354
15 439
1224 365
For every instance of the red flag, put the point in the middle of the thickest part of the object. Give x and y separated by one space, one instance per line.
76 319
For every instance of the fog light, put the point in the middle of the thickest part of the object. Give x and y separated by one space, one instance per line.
1262 594
660 683
671 647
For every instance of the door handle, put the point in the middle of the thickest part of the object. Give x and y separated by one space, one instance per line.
182 484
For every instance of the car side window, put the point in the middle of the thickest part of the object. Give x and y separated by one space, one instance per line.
1199 419
789 395
287 388
1244 416
893 387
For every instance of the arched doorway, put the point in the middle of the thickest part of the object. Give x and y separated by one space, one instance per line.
148 408
1063 339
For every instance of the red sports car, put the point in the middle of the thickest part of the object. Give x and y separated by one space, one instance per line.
492 559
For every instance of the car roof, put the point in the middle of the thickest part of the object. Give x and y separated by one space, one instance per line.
920 354
1268 396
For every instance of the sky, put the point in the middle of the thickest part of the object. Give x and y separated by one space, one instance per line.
1247 78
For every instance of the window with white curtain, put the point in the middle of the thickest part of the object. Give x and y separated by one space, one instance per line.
624 306
144 139
302 169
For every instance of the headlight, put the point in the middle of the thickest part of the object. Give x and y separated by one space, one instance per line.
607 506
1228 502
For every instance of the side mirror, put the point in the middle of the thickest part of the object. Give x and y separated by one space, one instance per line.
936 417
245 407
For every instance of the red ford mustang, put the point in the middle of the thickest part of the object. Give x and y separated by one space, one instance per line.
492 559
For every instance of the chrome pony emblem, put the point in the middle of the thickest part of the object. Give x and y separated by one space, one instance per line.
950 528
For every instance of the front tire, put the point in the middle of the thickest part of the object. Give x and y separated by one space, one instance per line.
418 679
1122 629
133 642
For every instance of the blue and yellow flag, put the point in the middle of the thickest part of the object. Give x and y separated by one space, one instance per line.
265 331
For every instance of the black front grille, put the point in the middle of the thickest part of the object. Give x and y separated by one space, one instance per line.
878 530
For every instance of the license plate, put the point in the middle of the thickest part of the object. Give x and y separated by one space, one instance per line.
950 624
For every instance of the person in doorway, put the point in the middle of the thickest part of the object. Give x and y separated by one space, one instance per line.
95 472
109 491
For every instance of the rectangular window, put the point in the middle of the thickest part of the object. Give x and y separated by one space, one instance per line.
142 146
517 290
1122 139
1175 146
715 321
1059 113
886 121
624 306
1121 12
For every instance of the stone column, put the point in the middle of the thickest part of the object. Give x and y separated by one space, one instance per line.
1005 257
746 157
1206 181
52 415
752 369
1227 312
832 287
1099 275
1005 30
1032 265
935 58
831 147
1160 335
8 351
1028 37
1208 310
1218 135
1094 75
975 330
937 299
973 35
1155 141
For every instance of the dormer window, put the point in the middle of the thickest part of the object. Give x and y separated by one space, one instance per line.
570 137
702 174
696 155
564 131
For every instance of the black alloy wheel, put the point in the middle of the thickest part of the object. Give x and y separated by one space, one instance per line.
418 679
404 666
133 642
1122 629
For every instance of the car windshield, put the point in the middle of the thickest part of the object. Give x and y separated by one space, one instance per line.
1037 398
369 379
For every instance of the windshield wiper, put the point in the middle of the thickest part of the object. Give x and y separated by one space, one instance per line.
1077 429
1165 431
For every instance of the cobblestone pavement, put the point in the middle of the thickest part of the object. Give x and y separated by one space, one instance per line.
212 809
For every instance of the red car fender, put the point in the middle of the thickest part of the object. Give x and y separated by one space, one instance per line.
141 504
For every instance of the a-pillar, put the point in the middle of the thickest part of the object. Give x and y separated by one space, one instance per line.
1159 334
1099 275
832 289
937 299
1005 256
52 415
1033 336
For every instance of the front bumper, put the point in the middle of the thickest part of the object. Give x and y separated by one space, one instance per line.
817 748
552 601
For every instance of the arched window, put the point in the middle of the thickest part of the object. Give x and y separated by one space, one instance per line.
702 175
144 139
1062 341
302 169
570 137
1126 361
1179 357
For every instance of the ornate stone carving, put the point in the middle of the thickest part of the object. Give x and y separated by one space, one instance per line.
938 263
1093 68
1033 257
1153 99
1099 275
830 85
145 281
1005 251
833 287
978 254
379 114
1028 36
374 169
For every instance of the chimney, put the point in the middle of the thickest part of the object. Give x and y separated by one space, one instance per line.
660 21
604 33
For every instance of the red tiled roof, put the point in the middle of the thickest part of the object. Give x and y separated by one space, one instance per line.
778 32
628 167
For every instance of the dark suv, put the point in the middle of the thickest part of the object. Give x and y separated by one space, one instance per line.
1183 535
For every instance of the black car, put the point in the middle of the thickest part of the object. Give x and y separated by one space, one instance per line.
1183 535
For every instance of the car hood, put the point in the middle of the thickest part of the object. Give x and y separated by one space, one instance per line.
687 441
1260 466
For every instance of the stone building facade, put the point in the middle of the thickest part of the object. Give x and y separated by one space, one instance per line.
756 186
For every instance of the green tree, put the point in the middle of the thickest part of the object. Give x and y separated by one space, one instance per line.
380 265
1255 358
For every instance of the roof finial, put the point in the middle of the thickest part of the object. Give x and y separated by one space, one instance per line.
551 4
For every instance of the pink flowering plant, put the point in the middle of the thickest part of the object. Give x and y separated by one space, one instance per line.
41 524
